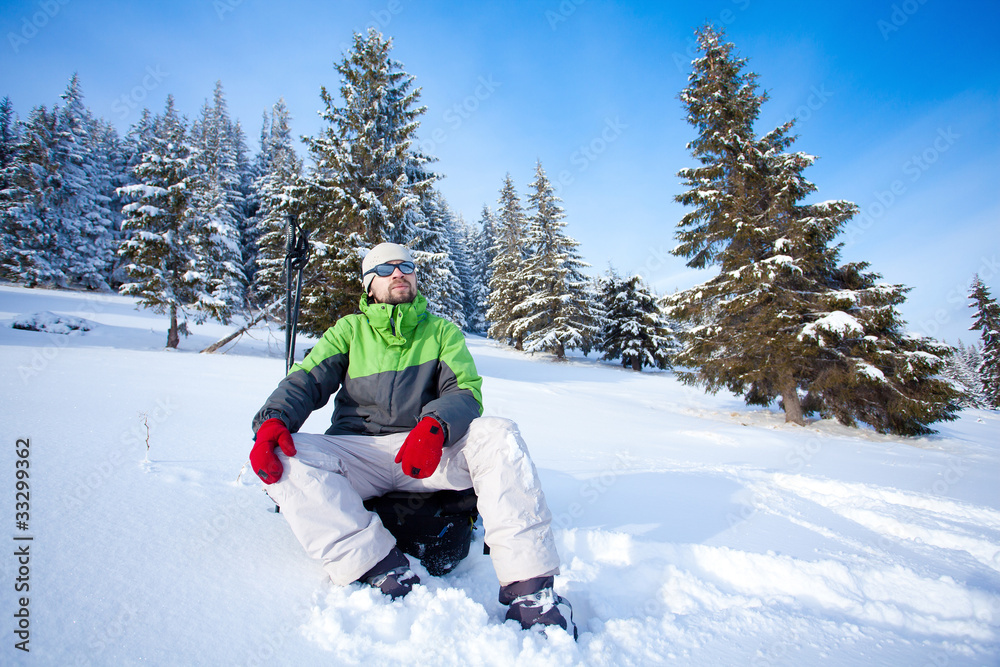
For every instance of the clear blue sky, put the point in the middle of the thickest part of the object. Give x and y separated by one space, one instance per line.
899 99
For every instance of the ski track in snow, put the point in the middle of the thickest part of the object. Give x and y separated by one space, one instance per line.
693 530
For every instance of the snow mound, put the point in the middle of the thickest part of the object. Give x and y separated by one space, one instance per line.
48 322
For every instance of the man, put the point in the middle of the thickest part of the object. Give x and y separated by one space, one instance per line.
406 418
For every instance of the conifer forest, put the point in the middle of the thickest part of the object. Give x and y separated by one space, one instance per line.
183 215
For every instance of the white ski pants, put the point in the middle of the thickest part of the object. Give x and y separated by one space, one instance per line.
321 491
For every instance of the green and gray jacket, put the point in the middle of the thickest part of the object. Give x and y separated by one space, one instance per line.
392 365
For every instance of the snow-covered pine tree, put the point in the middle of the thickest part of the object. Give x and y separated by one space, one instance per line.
82 215
30 251
162 231
481 253
987 321
56 212
366 183
556 313
867 368
280 169
218 205
253 211
962 370
461 240
8 132
506 283
9 146
138 140
782 317
249 198
12 193
431 249
110 173
135 145
633 328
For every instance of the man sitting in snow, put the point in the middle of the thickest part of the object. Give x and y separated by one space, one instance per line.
406 418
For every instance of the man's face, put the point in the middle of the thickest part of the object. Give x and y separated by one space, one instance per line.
395 288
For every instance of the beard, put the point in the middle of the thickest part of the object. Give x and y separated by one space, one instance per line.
388 295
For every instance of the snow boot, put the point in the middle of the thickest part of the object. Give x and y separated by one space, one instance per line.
534 604
391 575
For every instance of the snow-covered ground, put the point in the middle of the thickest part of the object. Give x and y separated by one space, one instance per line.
693 530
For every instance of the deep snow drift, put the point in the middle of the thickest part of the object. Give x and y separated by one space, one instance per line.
692 529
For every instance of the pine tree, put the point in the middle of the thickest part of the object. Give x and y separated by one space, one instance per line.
461 242
164 242
481 255
962 371
633 328
249 202
58 223
110 173
30 251
367 183
431 250
506 283
782 316
722 104
556 314
217 201
987 321
9 141
136 144
12 193
280 170
82 214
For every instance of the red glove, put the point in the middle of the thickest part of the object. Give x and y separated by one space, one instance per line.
272 433
421 451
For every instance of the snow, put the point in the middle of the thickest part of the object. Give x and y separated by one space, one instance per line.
837 322
869 370
693 530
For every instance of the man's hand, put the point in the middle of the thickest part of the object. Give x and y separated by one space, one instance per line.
272 433
421 451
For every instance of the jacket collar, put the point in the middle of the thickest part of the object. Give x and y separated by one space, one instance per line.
394 323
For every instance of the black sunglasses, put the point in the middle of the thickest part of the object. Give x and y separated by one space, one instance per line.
385 270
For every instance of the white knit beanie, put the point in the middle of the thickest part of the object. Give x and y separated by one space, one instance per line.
380 254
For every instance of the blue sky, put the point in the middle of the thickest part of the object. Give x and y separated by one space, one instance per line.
899 99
